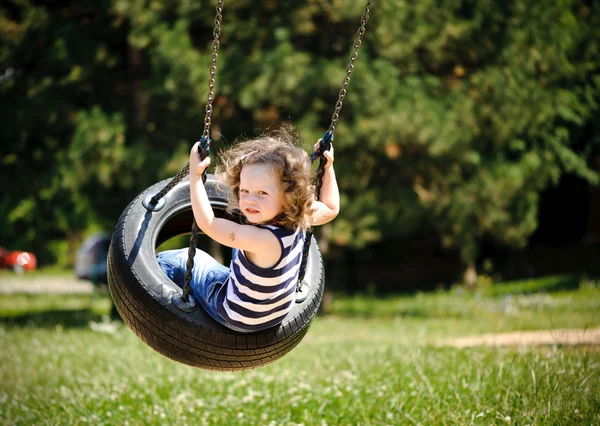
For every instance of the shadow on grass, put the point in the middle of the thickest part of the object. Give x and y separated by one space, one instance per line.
550 284
66 318
458 303
371 312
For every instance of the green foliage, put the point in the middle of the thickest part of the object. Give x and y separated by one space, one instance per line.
486 103
458 116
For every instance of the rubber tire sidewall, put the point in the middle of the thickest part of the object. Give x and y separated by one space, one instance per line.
143 294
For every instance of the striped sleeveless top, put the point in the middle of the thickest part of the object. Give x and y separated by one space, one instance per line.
256 298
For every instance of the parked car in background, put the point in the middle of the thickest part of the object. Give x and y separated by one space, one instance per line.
90 262
17 260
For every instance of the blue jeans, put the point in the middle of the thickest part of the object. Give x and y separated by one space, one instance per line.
208 279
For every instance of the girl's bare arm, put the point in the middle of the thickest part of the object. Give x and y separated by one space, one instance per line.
328 207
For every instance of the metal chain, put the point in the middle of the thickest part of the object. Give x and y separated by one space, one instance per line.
359 35
204 148
205 139
187 288
213 70
178 178
323 146
327 139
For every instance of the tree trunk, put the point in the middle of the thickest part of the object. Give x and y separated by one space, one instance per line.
137 70
325 238
470 276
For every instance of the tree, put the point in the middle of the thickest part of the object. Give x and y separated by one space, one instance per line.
458 115
485 108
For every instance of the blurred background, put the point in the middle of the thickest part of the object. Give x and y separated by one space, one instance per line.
468 149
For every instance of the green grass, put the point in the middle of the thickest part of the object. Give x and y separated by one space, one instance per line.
48 271
375 361
27 309
547 303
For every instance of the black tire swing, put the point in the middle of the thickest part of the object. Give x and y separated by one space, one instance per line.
168 319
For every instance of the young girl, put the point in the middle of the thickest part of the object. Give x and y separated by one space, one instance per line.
270 182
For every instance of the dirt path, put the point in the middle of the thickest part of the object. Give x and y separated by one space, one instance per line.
53 285
529 338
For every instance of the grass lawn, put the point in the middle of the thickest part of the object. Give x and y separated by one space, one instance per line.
373 361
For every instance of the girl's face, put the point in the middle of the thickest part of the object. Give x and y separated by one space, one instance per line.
261 199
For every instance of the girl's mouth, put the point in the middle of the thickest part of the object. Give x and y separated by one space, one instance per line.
251 211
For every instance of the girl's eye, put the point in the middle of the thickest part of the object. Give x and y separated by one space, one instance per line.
244 191
262 193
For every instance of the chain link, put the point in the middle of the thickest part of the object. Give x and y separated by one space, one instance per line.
213 70
204 147
189 265
329 135
208 109
359 35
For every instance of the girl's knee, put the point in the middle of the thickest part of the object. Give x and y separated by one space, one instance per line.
174 258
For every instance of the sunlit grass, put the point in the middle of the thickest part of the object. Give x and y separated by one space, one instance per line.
44 272
383 368
522 305
20 306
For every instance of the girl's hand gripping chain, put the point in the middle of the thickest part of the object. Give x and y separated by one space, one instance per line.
327 154
197 166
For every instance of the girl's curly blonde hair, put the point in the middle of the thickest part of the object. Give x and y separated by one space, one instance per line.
290 164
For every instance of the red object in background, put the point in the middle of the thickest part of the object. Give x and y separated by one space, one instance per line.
18 261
